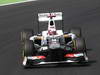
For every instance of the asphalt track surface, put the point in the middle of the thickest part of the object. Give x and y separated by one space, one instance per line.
14 18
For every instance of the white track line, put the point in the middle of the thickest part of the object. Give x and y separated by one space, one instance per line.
17 2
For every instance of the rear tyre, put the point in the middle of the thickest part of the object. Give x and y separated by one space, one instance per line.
76 31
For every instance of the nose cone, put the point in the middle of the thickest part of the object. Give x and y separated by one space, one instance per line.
54 45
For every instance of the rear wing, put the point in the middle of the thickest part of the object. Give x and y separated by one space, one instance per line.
42 17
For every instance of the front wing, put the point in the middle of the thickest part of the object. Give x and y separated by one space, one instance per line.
42 60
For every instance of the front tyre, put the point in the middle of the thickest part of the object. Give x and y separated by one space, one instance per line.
28 50
79 44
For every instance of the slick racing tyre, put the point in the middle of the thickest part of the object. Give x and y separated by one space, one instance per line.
79 44
76 31
26 34
28 48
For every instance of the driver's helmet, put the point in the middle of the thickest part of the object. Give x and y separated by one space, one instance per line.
52 32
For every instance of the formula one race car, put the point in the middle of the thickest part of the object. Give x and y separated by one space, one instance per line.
52 46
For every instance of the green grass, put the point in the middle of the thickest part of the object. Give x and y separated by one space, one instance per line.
9 1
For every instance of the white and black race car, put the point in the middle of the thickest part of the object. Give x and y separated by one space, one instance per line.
52 46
